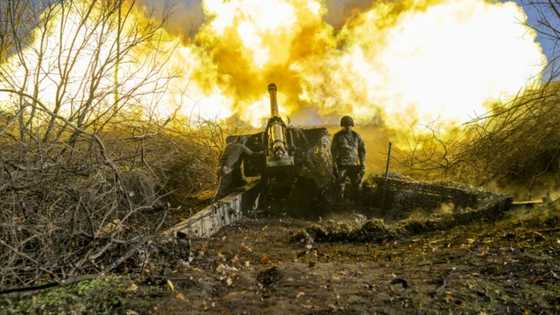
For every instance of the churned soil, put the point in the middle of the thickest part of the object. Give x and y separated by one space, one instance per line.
260 266
343 264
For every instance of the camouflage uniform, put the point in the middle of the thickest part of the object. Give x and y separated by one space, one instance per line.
348 151
230 168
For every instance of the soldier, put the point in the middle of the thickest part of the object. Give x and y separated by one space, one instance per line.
349 153
229 172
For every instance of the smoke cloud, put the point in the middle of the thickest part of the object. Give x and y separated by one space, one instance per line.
419 59
422 60
187 16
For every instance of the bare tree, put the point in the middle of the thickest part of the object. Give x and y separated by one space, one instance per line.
548 27
71 186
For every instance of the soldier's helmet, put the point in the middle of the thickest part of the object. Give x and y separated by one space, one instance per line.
231 139
346 121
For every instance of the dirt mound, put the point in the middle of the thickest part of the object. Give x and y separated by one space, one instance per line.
373 230
376 230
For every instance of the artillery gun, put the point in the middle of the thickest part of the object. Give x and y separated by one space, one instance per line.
296 173
296 168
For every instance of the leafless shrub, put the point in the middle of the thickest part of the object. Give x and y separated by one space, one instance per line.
431 153
517 142
83 179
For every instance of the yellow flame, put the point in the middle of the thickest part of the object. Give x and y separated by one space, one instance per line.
258 111
419 59
265 29
423 60
450 59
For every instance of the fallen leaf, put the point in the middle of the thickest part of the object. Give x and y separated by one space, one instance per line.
449 297
235 259
132 288
170 285
180 296
246 249
265 260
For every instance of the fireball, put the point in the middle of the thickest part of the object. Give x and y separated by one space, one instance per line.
409 60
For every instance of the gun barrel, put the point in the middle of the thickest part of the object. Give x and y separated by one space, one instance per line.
272 90
277 133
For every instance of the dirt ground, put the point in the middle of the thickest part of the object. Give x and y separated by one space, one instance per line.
511 266
258 267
